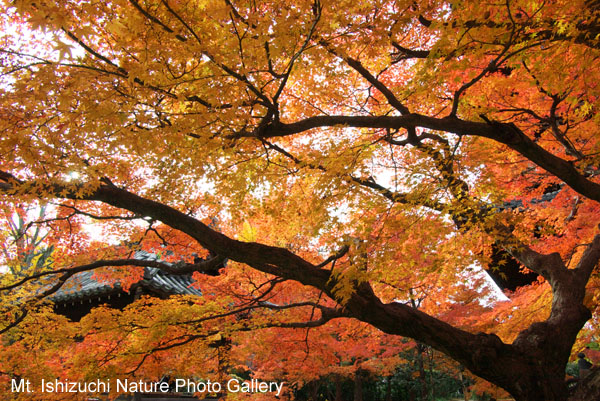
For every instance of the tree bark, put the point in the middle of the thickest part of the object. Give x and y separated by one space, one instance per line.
588 388
422 375
358 386
338 388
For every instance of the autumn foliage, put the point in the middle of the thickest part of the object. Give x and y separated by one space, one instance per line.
356 166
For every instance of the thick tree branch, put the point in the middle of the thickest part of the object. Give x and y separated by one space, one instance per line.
395 318
363 304
506 133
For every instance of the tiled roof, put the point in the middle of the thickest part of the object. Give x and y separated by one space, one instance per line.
83 285
518 204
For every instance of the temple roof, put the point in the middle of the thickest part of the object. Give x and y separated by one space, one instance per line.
83 285
518 204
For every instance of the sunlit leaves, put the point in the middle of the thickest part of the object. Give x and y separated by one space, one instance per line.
188 103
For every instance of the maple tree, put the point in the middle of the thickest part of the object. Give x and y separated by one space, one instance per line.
358 155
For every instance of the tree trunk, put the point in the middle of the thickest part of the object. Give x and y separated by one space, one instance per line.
465 390
588 388
314 390
546 387
358 390
422 374
430 360
388 389
338 388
